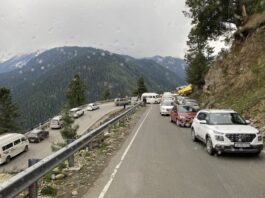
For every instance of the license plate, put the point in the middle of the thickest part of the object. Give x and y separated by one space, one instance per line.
242 145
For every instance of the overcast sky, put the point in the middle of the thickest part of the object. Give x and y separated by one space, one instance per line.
138 28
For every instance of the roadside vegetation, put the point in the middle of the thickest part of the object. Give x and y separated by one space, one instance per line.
235 77
141 88
8 112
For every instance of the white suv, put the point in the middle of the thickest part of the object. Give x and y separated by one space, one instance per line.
76 112
225 131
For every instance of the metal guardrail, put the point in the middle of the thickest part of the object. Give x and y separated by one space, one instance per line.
24 179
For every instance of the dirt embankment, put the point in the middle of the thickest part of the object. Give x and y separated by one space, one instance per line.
237 78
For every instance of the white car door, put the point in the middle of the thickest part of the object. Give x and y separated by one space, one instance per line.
200 127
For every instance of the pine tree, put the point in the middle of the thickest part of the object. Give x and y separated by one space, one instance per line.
106 94
76 92
68 131
8 112
141 88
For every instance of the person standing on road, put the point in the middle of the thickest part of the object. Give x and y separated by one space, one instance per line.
144 100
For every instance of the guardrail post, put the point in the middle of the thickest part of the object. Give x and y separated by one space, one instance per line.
71 159
33 188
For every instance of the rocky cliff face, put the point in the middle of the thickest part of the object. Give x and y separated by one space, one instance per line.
237 78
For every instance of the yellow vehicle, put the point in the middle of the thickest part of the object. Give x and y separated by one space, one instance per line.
185 90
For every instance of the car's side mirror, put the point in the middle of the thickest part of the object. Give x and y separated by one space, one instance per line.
203 122
247 122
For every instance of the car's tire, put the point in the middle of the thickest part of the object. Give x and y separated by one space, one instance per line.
26 148
193 136
8 159
209 146
38 141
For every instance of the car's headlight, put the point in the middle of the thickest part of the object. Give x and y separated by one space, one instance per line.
219 138
218 133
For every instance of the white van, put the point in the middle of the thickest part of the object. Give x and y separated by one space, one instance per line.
151 98
12 144
56 122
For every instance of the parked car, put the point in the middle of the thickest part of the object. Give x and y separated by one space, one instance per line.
191 103
56 122
121 101
134 100
225 131
181 99
168 96
37 135
92 107
166 107
77 112
12 144
182 115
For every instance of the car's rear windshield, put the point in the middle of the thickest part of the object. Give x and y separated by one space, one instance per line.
226 119
167 103
185 109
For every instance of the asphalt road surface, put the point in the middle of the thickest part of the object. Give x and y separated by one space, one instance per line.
43 149
159 160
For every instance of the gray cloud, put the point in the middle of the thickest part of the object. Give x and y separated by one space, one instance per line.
134 27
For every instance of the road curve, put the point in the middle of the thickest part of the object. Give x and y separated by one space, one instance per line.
43 149
162 161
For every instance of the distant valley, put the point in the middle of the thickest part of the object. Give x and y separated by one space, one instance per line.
38 80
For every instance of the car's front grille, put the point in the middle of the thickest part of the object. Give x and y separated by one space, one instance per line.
239 137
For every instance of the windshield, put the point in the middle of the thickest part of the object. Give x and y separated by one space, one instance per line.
118 83
185 109
226 119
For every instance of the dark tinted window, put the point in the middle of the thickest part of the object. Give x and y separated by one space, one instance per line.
17 142
202 116
8 146
23 139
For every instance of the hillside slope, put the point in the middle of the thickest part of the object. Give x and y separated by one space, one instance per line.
237 78
38 87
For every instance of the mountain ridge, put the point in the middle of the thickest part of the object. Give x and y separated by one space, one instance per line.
38 87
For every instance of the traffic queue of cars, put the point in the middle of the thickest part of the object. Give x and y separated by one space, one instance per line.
221 130
13 144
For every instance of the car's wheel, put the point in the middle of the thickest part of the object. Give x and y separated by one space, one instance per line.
8 159
193 136
26 148
209 146
38 140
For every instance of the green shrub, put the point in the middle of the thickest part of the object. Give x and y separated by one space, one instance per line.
49 191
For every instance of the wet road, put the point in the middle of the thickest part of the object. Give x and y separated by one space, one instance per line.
159 159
